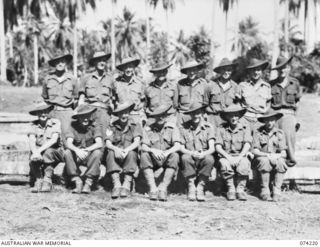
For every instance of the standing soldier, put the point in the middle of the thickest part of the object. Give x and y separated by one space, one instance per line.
122 141
96 89
84 147
223 92
128 87
285 96
190 90
60 89
197 147
255 94
233 144
160 144
45 145
269 148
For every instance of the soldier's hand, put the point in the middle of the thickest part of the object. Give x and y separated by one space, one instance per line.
236 160
158 154
198 155
273 157
124 153
82 154
118 153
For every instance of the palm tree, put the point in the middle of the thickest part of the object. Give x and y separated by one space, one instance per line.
181 52
113 36
3 64
275 50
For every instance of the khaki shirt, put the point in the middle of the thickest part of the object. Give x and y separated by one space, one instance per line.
60 93
156 96
96 89
197 139
132 91
123 138
44 134
269 142
83 138
189 93
220 98
162 139
254 97
286 97
233 140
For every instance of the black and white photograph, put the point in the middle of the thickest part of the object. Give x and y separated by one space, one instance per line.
159 120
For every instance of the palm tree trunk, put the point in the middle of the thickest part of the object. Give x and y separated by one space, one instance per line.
168 28
275 50
25 79
212 50
75 48
3 74
286 27
113 38
35 52
315 21
226 34
237 29
147 30
10 36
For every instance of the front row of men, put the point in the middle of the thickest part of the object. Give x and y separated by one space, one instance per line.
196 146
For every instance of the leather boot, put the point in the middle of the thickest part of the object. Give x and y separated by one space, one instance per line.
231 193
153 191
163 187
241 185
265 191
37 186
78 182
126 186
200 189
87 186
278 180
47 180
191 189
116 185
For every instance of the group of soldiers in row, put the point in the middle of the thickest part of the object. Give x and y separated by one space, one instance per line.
192 124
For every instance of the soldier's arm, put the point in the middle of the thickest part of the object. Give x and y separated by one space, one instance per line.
32 143
135 144
173 149
211 148
112 147
98 144
54 139
176 97
222 152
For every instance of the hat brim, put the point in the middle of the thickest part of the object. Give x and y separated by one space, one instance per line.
155 70
38 110
157 114
224 114
94 59
201 108
118 112
90 112
276 116
135 62
280 66
262 65
198 66
219 68
67 57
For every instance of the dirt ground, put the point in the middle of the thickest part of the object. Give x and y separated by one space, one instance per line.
62 215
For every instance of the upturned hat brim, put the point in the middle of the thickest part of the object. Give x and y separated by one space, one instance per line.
198 66
121 109
219 68
135 62
224 114
158 69
263 65
39 109
275 115
87 112
94 59
281 65
67 57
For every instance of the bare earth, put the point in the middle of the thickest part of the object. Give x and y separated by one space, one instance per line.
62 215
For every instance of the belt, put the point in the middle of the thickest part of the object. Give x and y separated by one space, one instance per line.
62 108
287 111
252 114
98 104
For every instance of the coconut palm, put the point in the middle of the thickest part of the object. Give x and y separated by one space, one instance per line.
181 52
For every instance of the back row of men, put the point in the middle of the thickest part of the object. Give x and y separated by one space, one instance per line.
192 120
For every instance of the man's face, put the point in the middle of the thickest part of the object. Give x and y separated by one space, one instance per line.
192 73
196 116
61 64
101 64
283 72
43 116
233 119
161 75
128 70
84 120
255 74
124 116
270 123
226 73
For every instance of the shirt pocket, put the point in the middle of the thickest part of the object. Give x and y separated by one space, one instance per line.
215 98
105 93
68 89
91 91
204 141
184 98
169 94
52 89
291 96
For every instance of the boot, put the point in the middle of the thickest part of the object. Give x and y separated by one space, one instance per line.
37 186
231 193
163 187
191 189
47 180
126 186
241 185
116 185
77 180
153 193
200 189
87 186
265 191
278 180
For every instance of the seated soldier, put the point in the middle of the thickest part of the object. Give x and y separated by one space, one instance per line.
233 144
197 147
160 144
45 145
269 148
84 147
122 141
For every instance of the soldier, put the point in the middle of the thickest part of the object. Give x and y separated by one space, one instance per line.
197 148
128 87
285 96
160 145
96 89
233 144
269 148
190 90
45 145
122 141
83 147
60 89
255 94
223 92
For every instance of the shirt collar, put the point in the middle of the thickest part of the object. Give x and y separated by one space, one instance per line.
66 75
225 86
96 75
165 84
239 127
118 126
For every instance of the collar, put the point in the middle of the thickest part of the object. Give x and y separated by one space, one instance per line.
272 132
49 123
66 75
164 85
117 125
225 86
132 80
239 127
95 74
